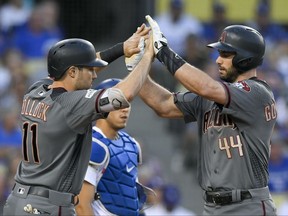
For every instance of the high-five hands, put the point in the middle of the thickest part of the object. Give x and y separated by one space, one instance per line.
159 39
131 45
133 60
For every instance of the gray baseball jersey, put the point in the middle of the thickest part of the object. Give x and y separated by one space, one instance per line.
57 137
235 138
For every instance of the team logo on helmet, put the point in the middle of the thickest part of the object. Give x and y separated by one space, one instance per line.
223 36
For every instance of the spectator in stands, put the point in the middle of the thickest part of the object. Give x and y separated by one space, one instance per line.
33 38
176 25
156 183
194 53
271 31
50 20
172 201
13 78
10 150
168 201
278 169
10 133
4 42
12 14
213 28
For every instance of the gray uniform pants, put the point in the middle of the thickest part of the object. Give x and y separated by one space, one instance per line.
260 203
22 201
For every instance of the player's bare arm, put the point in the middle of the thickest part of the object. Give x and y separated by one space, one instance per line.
131 85
162 102
86 197
192 78
201 84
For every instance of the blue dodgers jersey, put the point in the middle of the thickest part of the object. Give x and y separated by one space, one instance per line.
117 186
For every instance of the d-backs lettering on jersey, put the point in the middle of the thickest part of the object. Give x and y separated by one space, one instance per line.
214 118
117 187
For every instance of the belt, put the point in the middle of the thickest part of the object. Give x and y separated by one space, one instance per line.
225 197
38 191
43 192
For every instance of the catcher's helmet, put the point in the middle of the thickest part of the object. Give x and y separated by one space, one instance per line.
247 44
71 52
108 83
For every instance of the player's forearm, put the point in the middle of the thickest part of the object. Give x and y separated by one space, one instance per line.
132 84
201 83
162 102
111 54
84 209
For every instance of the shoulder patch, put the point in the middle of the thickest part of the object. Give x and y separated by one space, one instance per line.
242 85
90 93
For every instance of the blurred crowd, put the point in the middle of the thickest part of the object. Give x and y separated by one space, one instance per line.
29 28
27 31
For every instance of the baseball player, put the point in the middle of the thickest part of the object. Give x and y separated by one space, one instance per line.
235 119
110 185
57 123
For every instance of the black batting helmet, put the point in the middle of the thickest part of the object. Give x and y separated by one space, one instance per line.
247 44
71 52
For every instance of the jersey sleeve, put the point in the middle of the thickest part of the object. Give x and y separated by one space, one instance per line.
188 104
80 108
247 101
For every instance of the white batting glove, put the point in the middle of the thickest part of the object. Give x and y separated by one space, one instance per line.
133 60
159 40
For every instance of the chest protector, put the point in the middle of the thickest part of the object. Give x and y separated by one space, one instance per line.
117 186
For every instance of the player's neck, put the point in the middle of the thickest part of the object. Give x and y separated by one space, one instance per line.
61 84
246 75
109 132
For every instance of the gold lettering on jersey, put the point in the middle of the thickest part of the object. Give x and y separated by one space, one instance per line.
213 118
270 112
35 109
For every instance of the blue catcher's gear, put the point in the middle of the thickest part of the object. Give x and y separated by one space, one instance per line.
108 83
117 187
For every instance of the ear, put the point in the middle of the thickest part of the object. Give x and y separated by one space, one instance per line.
72 71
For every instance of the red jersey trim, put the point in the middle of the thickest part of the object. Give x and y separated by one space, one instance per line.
228 95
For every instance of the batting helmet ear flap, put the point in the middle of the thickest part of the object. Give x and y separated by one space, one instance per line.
243 64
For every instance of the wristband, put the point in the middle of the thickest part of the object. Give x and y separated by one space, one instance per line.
111 54
170 59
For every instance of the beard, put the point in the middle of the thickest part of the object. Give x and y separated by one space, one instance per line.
231 75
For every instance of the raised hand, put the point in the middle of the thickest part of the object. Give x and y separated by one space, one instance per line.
130 46
133 60
159 40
